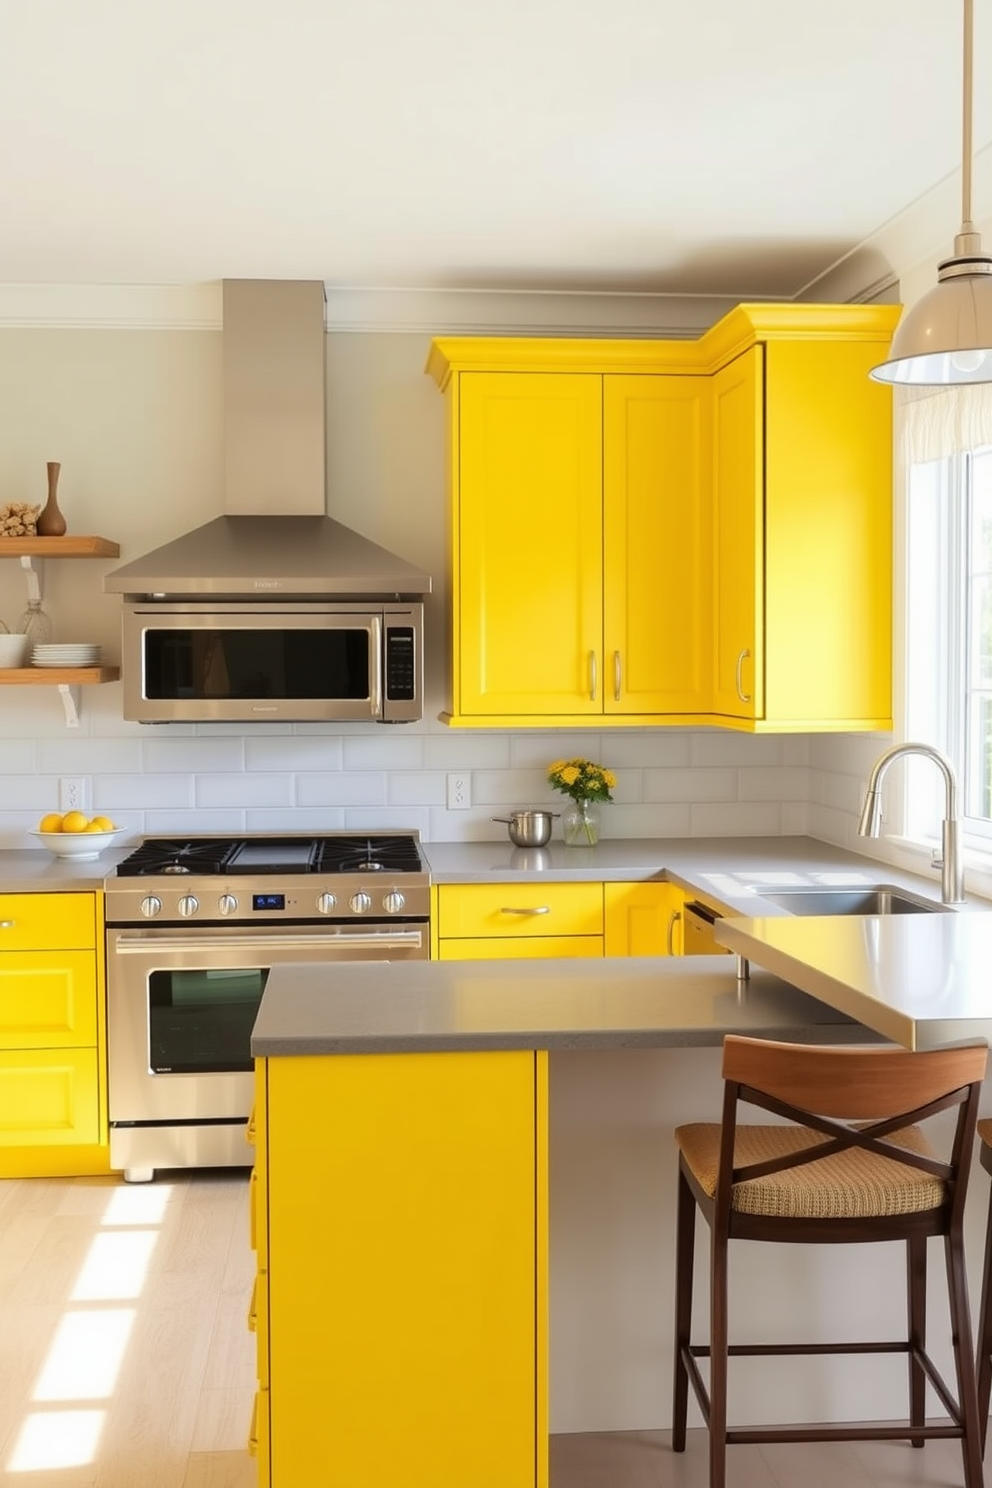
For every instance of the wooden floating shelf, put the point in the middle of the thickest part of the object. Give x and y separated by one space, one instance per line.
58 547
64 676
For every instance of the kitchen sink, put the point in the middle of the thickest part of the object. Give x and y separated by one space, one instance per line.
881 899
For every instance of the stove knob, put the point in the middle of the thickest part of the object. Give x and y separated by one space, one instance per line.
361 901
227 904
188 905
393 902
326 903
150 906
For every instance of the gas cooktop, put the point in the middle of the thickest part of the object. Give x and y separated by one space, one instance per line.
293 879
348 853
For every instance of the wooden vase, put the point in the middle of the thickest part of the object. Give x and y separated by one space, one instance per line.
51 522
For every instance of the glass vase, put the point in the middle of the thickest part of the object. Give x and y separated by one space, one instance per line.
580 824
35 624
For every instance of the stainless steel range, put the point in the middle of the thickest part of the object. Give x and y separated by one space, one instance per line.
194 925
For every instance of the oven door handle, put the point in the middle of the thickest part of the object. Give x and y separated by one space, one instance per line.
382 940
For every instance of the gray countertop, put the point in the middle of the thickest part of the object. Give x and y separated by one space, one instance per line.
423 1006
727 872
921 980
34 871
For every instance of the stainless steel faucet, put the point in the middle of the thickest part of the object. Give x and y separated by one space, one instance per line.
951 869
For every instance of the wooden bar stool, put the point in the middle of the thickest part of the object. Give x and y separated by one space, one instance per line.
852 1166
985 1307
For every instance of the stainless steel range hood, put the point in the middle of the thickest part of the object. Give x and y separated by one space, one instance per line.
274 539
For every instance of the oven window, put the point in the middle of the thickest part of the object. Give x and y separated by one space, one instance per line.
253 664
201 1021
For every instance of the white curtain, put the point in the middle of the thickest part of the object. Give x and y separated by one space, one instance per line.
937 422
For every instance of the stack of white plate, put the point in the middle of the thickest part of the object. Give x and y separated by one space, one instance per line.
68 655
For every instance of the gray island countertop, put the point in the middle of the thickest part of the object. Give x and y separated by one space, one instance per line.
426 1006
921 980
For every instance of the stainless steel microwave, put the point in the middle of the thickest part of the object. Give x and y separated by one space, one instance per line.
259 661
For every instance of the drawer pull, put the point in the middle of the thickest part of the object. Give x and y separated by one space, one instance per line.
537 910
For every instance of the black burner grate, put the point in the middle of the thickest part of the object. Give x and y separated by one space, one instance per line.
372 853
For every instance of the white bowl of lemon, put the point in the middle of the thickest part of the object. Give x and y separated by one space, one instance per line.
75 835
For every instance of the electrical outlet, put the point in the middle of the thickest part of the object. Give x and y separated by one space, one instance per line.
72 793
459 792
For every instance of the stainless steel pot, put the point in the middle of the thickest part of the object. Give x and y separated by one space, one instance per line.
528 828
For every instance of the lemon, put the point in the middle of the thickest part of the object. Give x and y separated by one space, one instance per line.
74 821
101 824
51 823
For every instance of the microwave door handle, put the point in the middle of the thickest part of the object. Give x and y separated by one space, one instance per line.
375 678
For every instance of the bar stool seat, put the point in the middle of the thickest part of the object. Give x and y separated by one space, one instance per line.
851 1164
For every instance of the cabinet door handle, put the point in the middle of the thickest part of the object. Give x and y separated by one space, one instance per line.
537 910
617 676
593 683
745 697
673 920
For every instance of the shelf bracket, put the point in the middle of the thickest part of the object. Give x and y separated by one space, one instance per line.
70 703
34 574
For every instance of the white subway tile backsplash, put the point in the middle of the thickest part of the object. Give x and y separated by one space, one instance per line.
18 756
712 747
198 756
744 819
294 754
468 749
300 777
244 790
177 823
410 788
667 749
33 792
84 756
795 818
113 793
783 784
344 788
383 751
689 785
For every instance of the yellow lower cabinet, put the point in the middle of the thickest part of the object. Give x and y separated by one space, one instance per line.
509 920
532 947
53 1118
643 919
47 1000
48 1097
407 1280
258 1437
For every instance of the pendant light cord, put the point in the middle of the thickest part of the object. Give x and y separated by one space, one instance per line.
967 226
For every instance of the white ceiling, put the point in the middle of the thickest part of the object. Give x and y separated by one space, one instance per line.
723 147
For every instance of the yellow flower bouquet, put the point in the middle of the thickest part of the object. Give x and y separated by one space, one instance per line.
586 782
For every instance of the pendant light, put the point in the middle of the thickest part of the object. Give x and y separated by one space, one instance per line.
945 339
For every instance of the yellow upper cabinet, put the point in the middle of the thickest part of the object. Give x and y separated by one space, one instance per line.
577 521
686 532
802 535
529 544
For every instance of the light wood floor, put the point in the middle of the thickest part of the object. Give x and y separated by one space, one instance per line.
123 1344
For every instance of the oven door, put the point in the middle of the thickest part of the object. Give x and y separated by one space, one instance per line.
181 1004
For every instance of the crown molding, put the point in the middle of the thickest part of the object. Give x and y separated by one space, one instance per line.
468 312
917 237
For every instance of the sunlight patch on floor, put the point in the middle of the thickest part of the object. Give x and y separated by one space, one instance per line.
115 1266
85 1357
86 1353
55 1439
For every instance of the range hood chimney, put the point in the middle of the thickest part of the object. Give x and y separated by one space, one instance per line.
274 539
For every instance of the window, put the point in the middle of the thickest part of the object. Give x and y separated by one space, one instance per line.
948 625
